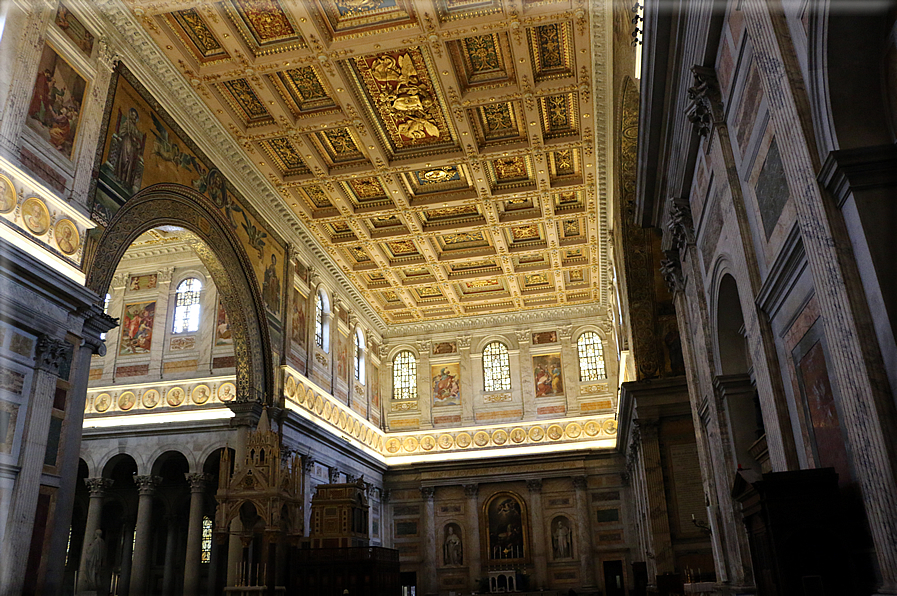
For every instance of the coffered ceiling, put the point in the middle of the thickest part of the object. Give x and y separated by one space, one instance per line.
443 152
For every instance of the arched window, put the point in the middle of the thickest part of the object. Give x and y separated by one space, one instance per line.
591 357
186 306
319 321
359 356
404 376
496 367
206 539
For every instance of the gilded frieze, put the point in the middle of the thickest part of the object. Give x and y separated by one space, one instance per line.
401 96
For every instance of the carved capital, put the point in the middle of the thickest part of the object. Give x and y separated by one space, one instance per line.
671 270
146 485
98 486
680 223
119 280
471 490
165 275
427 492
50 354
353 320
308 465
333 475
534 485
197 481
384 495
579 482
106 55
565 332
523 336
384 351
424 346
703 110
463 342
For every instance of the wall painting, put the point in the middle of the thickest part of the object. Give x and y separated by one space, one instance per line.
506 526
548 375
299 328
545 337
142 147
55 109
375 389
342 368
223 335
445 347
74 29
446 384
137 328
142 282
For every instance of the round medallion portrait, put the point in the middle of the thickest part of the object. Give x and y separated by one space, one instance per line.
200 394
610 426
127 400
518 435
291 386
175 396
227 392
150 398
410 444
555 432
102 402
8 196
445 441
463 440
393 445
592 428
67 238
536 434
427 442
573 430
481 439
35 216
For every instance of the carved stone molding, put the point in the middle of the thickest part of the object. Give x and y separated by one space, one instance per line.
50 353
671 270
534 485
98 486
146 485
427 492
197 481
704 108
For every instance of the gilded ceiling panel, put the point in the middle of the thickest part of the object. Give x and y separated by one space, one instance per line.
197 36
453 216
354 18
469 269
400 94
498 124
564 164
436 180
304 91
240 95
551 51
483 61
559 115
367 193
265 26
511 172
339 147
452 10
567 201
285 156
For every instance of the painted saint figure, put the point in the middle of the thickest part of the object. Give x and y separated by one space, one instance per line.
271 286
130 151
452 549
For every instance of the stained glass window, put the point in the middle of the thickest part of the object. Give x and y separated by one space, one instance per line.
404 376
319 321
496 367
206 539
359 357
591 357
186 306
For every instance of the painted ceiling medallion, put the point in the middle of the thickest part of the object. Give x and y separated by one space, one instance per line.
400 94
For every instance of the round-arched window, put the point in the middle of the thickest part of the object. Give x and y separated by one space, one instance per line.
496 367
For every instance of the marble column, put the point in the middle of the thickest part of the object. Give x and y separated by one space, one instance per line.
570 364
97 488
584 533
146 487
472 551
428 562
424 399
124 581
95 323
467 390
534 486
527 389
170 545
658 520
192 560
23 501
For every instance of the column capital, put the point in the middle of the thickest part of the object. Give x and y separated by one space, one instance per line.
471 490
98 486
333 475
523 336
146 484
565 332
119 281
165 275
671 270
463 342
197 481
579 482
534 485
50 353
428 492
384 495
308 465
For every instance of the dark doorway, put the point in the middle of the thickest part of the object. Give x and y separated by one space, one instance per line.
409 583
613 578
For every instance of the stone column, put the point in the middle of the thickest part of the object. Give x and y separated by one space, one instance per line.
146 486
94 324
127 557
571 365
467 390
424 398
527 390
428 562
658 520
23 501
97 488
192 561
308 468
534 486
472 551
386 530
584 532
170 542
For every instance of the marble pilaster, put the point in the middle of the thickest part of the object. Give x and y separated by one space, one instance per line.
538 524
467 387
570 365
658 520
472 551
424 398
428 562
527 390
584 532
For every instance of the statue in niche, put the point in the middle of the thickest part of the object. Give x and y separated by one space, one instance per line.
560 539
96 556
452 548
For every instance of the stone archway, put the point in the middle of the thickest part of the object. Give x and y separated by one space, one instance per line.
222 254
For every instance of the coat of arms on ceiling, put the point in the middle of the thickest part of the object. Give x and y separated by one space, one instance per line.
401 96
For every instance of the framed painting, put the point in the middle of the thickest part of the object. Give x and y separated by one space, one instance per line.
506 528
446 384
55 109
74 29
299 328
223 335
137 328
548 375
